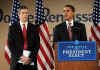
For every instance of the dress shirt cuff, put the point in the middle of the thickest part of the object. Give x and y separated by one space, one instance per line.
26 53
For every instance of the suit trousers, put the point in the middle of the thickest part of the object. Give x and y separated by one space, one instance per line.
20 66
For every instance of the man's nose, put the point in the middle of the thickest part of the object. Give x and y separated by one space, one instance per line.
65 12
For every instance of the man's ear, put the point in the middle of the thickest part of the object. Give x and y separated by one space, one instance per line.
73 13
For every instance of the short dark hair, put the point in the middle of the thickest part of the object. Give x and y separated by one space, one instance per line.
22 7
70 6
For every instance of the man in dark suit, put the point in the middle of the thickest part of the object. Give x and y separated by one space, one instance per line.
69 30
23 42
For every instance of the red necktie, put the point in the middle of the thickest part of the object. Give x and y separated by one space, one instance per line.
70 32
25 36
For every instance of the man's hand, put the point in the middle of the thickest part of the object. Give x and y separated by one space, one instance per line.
25 60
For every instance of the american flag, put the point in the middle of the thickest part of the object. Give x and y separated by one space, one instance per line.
14 19
45 57
95 28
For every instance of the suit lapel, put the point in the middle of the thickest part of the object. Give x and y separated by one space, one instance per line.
28 29
19 27
20 30
65 31
65 27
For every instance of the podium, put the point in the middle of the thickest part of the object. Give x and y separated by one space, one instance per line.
74 65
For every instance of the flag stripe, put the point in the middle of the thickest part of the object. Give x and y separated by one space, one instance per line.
7 50
7 57
7 53
45 32
43 60
48 46
97 31
94 34
46 28
98 28
40 68
46 50
14 19
46 57
95 28
41 63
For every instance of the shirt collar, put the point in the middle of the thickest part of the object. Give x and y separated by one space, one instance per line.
72 23
21 23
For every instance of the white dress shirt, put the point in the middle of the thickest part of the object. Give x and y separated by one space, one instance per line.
21 24
67 23
26 53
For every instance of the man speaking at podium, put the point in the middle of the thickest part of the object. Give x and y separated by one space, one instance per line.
69 30
67 55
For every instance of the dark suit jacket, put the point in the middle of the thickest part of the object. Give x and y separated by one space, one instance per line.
78 32
16 43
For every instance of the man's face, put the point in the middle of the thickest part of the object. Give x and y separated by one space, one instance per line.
23 15
68 13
